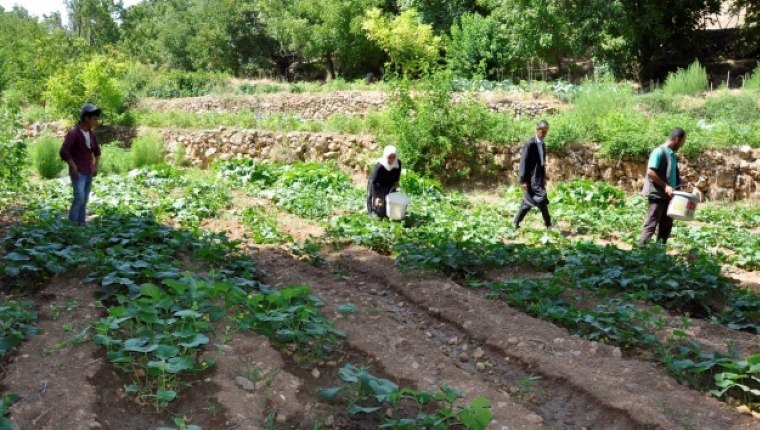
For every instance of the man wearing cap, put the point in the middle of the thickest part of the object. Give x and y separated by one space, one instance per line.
81 151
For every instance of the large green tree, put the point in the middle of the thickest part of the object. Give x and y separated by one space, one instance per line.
30 52
95 20
328 31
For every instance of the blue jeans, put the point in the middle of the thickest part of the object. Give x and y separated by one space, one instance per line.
81 186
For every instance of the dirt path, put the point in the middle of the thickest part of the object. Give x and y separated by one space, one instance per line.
395 341
254 385
50 372
641 389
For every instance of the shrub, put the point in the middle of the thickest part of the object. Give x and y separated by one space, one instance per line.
434 136
45 157
753 82
180 156
114 160
13 150
629 135
147 150
94 79
179 83
686 82
598 98
740 108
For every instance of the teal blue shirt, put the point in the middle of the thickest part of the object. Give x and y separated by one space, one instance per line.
656 158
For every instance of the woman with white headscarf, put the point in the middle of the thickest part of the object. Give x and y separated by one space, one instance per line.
385 176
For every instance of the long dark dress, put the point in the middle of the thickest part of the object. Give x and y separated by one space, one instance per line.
533 173
380 183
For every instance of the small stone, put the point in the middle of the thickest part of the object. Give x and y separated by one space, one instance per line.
95 425
513 340
743 409
139 373
315 373
534 418
463 357
454 340
245 383
428 334
617 353
576 353
389 413
513 389
330 421
415 365
282 418
480 366
478 353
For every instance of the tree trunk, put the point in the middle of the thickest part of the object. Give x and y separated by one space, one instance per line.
330 67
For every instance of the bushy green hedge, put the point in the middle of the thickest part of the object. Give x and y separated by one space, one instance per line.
13 149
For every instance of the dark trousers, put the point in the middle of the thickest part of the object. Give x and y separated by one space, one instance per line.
525 208
657 218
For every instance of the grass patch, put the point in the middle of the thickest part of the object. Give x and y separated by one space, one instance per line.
45 157
147 150
687 82
114 160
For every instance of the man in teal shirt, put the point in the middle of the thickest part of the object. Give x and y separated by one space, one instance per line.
661 180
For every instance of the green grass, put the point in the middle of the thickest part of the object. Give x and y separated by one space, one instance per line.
687 82
45 158
114 160
147 150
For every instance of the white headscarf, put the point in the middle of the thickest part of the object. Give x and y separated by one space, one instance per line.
388 151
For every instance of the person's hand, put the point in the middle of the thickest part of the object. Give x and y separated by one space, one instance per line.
94 169
524 186
378 202
669 190
74 173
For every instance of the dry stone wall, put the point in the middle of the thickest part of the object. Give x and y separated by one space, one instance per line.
353 103
718 175
728 174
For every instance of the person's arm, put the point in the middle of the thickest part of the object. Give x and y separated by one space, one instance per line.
65 153
657 180
524 179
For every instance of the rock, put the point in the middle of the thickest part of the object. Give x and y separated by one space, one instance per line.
94 425
315 373
454 340
245 383
534 419
330 421
617 353
480 366
513 340
743 409
389 413
282 419
478 353
463 357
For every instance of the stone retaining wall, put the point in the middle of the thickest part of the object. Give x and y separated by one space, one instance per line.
323 105
719 175
729 174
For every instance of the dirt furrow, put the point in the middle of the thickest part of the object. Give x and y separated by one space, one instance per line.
254 385
646 393
412 345
52 369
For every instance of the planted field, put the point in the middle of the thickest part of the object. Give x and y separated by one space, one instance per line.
260 296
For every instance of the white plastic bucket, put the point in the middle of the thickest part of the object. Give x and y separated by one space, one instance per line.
396 204
683 206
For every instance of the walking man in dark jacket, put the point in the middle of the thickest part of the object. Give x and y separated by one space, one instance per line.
81 151
662 178
533 176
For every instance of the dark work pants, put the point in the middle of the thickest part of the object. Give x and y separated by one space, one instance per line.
525 208
657 218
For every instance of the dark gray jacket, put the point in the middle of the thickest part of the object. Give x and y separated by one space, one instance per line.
654 191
